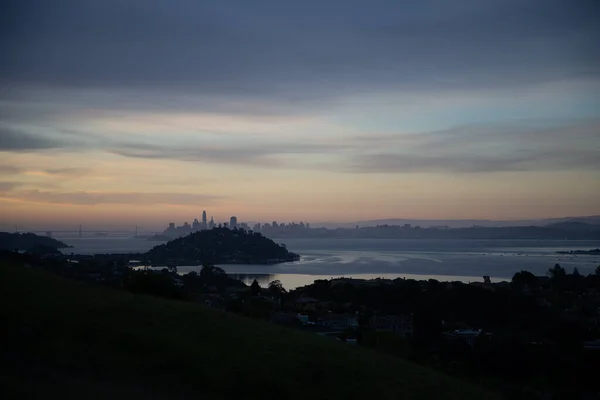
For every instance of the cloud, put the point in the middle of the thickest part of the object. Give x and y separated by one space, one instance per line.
297 52
260 154
10 170
68 172
517 146
8 186
482 149
17 140
96 198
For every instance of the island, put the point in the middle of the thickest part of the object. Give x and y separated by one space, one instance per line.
30 242
220 246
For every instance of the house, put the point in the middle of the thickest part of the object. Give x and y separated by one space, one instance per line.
378 281
303 318
306 300
398 324
338 321
178 282
350 341
469 336
347 281
306 303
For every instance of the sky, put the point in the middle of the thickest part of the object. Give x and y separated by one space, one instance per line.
141 112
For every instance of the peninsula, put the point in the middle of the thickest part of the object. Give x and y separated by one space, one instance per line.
221 246
29 242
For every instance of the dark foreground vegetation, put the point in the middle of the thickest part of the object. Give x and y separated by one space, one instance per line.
67 339
536 337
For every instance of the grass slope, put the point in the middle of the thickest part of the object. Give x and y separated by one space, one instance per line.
66 339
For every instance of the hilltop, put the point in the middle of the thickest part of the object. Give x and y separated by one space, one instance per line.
221 246
29 242
95 342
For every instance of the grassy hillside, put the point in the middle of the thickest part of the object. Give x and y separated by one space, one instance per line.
66 339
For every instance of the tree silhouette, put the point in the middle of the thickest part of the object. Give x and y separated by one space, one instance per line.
210 271
276 288
523 278
255 288
557 272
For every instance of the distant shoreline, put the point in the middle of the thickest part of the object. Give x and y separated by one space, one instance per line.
593 252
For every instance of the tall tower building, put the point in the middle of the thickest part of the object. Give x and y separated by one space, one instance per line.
211 224
204 222
233 222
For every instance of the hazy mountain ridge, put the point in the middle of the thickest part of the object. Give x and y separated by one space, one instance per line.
460 223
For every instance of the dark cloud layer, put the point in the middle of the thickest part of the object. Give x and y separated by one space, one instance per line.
68 172
94 198
263 154
482 149
464 149
9 170
297 50
532 161
7 186
16 140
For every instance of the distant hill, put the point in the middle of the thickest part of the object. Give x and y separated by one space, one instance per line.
460 223
221 246
73 340
574 226
28 242
559 231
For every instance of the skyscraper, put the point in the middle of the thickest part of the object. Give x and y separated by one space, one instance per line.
211 224
233 222
204 223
